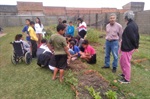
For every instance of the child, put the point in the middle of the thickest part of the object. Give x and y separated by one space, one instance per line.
19 38
59 44
82 28
39 29
74 50
89 53
43 47
33 38
25 30
78 40
66 26
70 30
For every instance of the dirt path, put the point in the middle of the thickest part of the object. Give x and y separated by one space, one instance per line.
88 78
2 34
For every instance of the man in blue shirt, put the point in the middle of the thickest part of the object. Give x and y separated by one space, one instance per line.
25 30
70 29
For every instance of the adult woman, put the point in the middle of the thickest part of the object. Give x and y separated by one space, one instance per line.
38 29
82 28
130 43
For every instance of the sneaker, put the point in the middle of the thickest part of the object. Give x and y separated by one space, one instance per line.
124 81
105 67
121 75
114 69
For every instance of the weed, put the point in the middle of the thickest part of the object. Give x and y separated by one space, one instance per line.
70 78
93 93
111 94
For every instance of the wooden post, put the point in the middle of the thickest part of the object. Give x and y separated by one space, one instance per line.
89 19
96 20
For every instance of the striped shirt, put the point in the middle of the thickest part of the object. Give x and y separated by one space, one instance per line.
82 26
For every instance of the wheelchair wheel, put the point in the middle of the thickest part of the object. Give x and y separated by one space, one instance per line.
14 59
28 58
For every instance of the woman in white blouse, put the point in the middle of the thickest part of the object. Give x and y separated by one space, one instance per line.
39 29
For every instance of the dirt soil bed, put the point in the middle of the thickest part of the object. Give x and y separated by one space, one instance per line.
88 78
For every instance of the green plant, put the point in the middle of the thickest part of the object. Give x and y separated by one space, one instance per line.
70 78
111 94
93 93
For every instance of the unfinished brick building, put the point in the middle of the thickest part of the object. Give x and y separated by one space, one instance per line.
30 8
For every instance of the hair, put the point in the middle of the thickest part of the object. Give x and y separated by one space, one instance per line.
39 21
64 21
18 37
43 41
80 19
59 19
60 27
32 22
113 14
78 37
70 22
72 43
85 42
68 35
129 15
28 20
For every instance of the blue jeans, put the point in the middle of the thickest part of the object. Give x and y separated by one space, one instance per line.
111 46
71 52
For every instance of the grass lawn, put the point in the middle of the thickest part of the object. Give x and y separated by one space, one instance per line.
30 81
139 88
26 81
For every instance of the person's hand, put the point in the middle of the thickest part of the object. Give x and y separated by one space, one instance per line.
136 50
69 56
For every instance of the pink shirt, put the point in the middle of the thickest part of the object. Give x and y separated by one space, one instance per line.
114 32
90 50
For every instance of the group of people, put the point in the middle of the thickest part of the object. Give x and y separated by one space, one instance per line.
64 47
34 33
67 47
121 42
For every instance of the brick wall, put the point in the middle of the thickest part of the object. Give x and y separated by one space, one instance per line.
54 10
30 8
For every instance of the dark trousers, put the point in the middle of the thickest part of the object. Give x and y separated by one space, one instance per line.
34 48
82 33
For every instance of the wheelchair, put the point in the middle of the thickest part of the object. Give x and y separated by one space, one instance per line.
19 54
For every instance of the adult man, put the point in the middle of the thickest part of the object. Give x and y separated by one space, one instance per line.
113 36
130 43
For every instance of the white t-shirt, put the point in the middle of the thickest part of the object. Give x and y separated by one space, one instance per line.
38 28
82 26
43 46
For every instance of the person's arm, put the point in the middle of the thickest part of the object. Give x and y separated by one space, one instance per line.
50 47
120 33
32 34
134 38
26 44
66 50
24 30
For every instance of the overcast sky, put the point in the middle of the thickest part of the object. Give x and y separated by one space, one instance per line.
82 3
